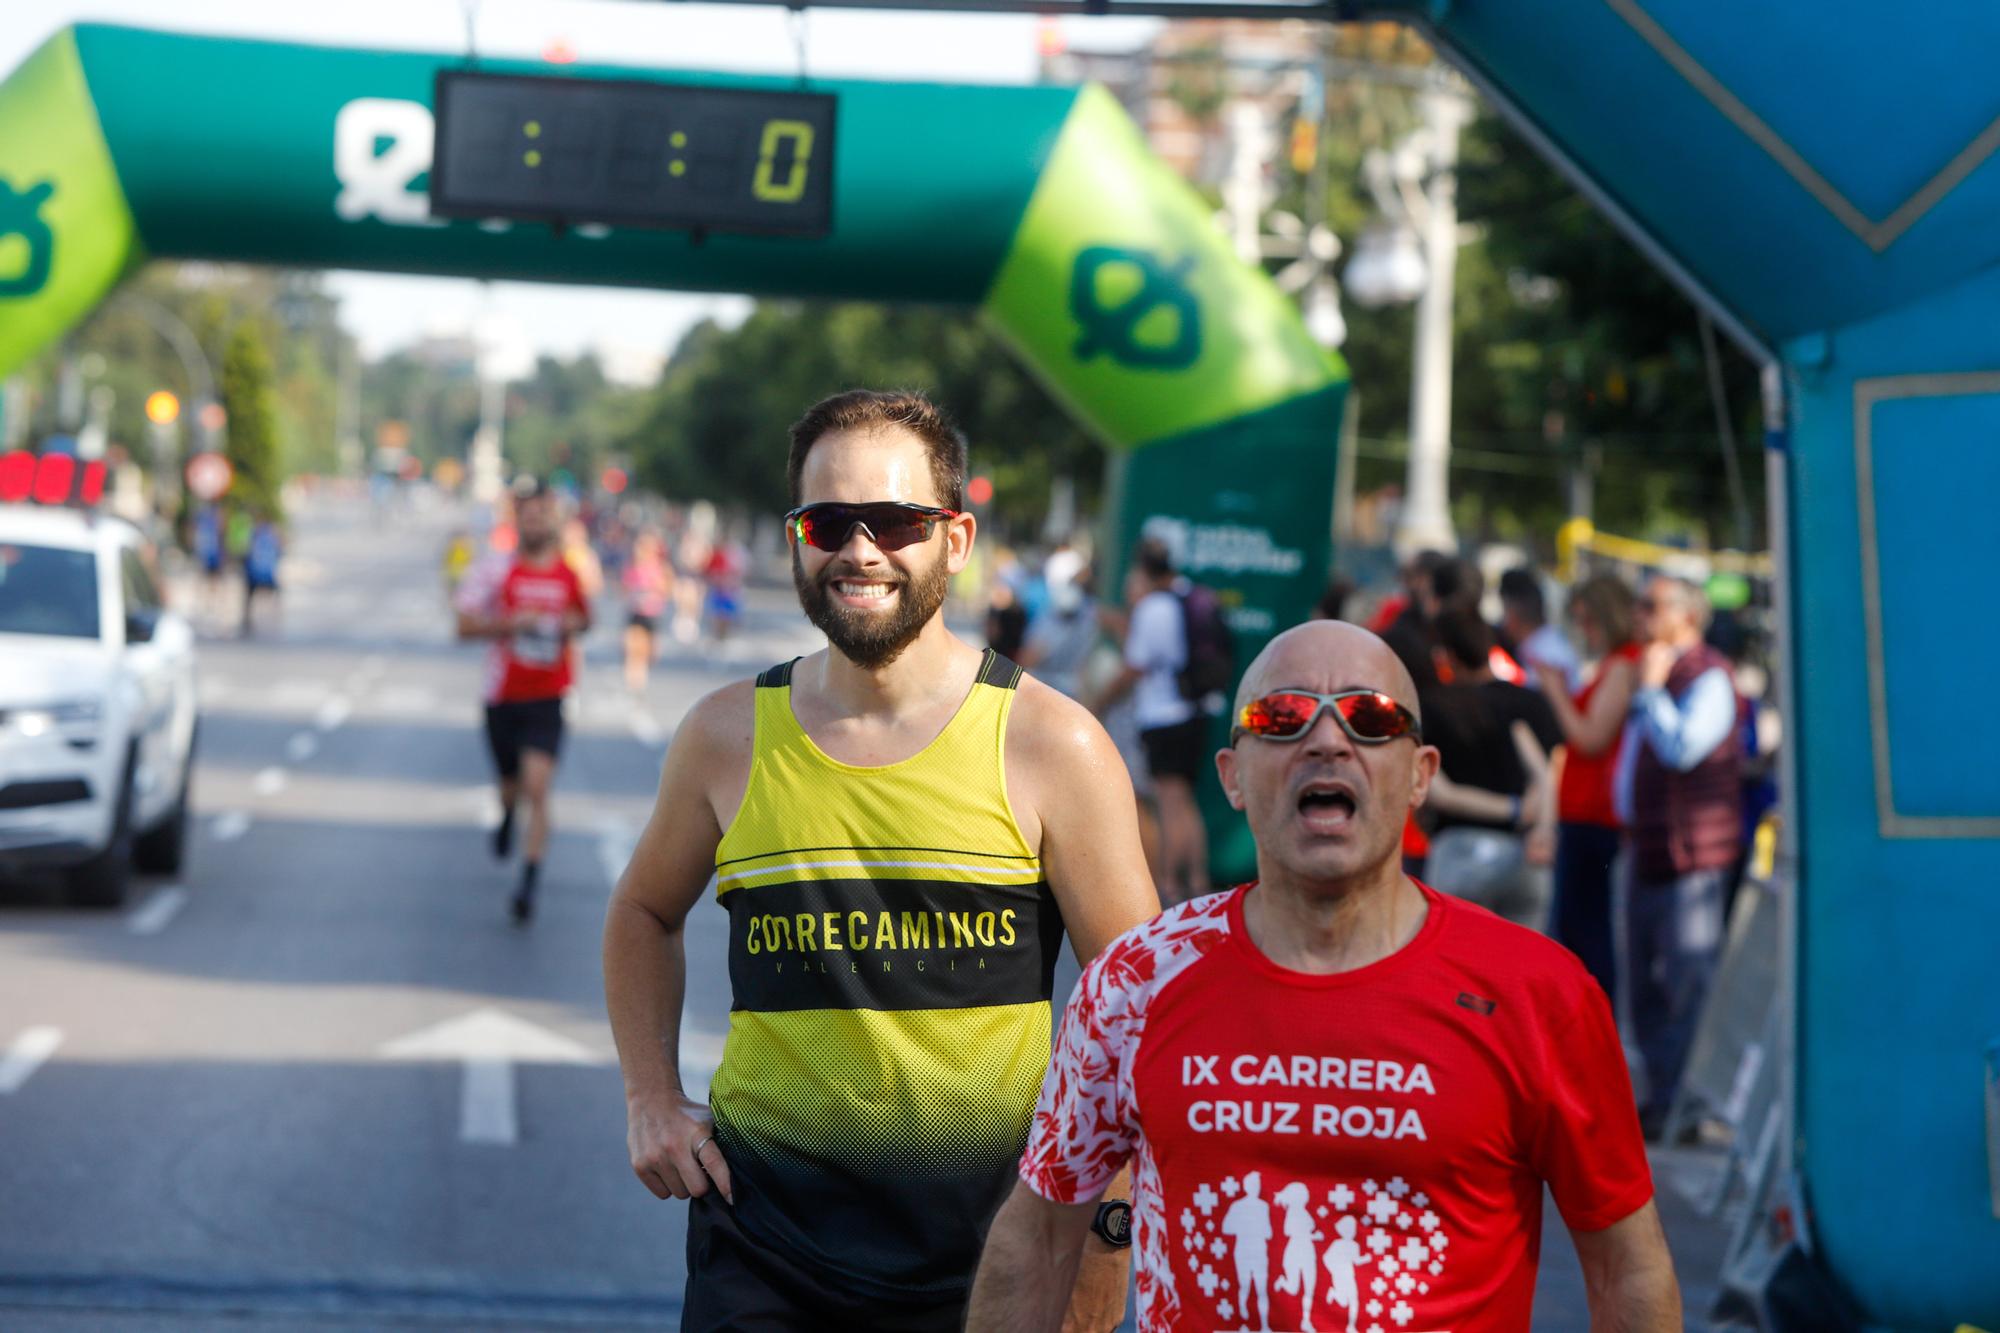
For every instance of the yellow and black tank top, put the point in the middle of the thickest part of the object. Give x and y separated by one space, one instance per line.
892 947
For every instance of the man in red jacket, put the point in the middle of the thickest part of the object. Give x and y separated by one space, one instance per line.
1344 1091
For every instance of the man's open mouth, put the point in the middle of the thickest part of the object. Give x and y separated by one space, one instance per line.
1327 807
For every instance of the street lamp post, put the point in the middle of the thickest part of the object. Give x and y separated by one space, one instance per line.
201 388
1426 519
1413 255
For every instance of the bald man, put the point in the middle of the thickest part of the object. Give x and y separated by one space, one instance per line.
1419 1066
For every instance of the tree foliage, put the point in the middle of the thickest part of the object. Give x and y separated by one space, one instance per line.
121 348
250 403
1571 353
565 414
716 425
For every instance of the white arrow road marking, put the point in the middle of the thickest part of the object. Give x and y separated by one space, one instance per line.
161 908
301 747
28 1053
229 826
333 713
489 1044
269 782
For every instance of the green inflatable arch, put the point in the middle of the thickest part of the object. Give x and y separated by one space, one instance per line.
1040 207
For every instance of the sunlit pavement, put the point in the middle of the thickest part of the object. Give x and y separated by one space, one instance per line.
318 1081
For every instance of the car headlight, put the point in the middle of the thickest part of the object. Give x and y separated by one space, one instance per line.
76 719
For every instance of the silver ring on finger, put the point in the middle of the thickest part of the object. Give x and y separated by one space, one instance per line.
696 1154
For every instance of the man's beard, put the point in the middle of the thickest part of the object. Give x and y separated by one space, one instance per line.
870 640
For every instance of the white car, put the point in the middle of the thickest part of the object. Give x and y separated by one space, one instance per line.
97 704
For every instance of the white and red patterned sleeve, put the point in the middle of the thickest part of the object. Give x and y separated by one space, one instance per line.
1084 1128
1087 1122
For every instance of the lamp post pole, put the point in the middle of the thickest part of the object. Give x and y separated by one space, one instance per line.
1426 518
201 387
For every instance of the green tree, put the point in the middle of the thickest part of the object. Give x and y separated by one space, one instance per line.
1572 354
715 427
248 401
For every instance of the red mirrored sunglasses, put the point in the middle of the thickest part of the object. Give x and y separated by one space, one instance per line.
1369 717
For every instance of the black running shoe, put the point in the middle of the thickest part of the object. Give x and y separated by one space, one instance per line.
503 835
524 897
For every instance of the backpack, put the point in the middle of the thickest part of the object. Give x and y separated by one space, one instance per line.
1211 652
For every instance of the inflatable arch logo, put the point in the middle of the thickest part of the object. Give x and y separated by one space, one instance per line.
27 246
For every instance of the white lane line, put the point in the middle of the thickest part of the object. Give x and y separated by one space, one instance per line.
302 747
405 699
333 713
486 1107
28 1053
161 908
269 782
646 730
229 826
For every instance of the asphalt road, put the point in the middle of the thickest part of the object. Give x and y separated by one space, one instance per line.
318 1081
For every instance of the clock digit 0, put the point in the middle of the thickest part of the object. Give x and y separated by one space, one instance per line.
776 132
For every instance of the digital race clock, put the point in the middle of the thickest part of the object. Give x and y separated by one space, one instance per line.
566 150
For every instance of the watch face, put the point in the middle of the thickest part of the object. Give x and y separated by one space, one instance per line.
1115 1222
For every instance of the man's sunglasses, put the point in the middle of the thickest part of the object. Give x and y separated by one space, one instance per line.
890 524
1369 717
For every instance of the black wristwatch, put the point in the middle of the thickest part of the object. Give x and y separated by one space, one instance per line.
1113 1223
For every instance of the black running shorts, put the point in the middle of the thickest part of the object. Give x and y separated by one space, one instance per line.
1178 751
533 724
739 1284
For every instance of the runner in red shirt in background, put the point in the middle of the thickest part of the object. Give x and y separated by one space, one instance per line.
1344 1092
531 606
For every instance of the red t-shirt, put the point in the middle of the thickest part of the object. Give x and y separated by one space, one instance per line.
1372 1143
533 664
1584 795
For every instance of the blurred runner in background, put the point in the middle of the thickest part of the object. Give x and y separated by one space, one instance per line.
208 548
728 565
531 606
260 567
649 588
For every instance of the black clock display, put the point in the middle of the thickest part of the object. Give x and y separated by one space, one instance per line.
569 150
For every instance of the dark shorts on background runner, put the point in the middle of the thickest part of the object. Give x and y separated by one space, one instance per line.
650 624
534 724
739 1283
1178 751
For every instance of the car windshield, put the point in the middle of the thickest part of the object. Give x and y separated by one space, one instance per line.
48 590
